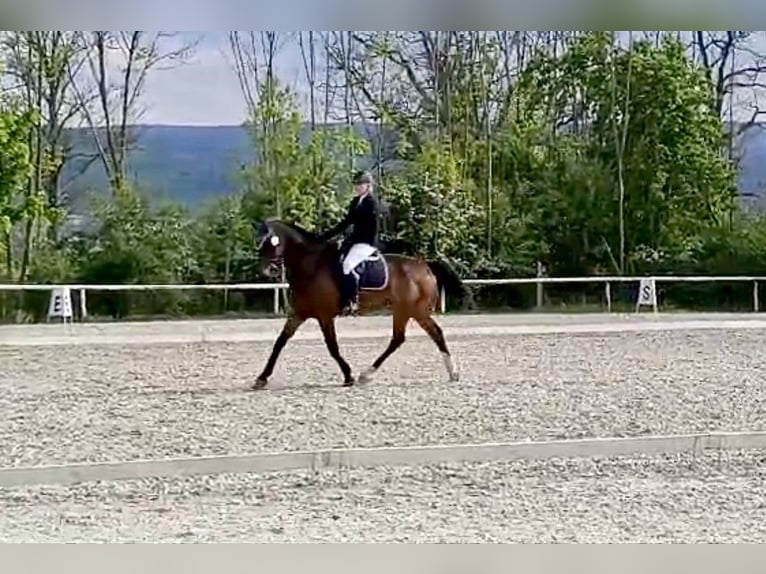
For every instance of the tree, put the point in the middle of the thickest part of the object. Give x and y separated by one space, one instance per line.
295 174
675 178
119 91
17 205
41 63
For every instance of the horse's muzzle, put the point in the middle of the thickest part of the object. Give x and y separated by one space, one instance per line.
273 268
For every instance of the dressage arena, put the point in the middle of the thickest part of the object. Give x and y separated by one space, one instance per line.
130 392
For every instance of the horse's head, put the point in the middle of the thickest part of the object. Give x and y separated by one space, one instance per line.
271 248
283 243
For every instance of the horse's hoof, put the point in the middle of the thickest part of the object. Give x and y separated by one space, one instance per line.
259 384
366 377
349 382
454 378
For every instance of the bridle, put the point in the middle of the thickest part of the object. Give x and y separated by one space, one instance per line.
274 239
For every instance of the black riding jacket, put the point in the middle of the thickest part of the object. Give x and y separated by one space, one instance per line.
363 215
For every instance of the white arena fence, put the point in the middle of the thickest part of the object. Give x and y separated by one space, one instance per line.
647 284
345 458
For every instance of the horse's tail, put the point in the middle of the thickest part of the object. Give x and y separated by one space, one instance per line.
447 278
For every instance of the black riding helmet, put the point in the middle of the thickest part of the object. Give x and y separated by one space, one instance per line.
362 176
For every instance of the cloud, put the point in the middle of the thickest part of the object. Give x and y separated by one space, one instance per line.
205 90
202 91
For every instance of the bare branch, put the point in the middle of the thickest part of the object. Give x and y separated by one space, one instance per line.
119 63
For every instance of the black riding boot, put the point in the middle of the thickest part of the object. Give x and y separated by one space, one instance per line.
349 303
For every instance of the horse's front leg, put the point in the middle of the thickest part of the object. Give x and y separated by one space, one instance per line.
289 329
331 340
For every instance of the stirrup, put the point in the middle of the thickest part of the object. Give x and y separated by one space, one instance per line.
351 309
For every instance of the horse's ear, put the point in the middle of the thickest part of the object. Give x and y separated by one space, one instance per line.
260 229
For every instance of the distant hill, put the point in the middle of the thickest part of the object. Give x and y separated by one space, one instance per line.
194 164
752 177
187 164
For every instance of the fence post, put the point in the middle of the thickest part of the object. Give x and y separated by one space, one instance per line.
608 294
756 303
83 305
276 300
539 286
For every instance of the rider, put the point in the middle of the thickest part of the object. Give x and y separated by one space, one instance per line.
363 215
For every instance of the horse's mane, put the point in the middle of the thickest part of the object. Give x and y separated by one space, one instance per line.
304 233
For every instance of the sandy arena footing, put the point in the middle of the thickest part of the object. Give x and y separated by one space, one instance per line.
537 378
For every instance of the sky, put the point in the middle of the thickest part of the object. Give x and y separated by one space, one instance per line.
205 90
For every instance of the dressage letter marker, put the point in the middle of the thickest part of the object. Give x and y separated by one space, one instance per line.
60 304
647 294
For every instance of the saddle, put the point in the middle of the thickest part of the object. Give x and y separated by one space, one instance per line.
372 272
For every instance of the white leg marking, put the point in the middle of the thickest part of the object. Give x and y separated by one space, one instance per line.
366 376
451 368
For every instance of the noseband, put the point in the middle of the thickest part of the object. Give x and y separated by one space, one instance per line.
274 239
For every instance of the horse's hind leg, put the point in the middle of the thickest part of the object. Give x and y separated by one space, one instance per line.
433 329
397 338
289 329
331 340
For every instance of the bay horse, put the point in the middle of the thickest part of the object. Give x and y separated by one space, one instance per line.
409 285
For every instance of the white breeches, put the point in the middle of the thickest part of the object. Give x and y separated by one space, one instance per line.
358 253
